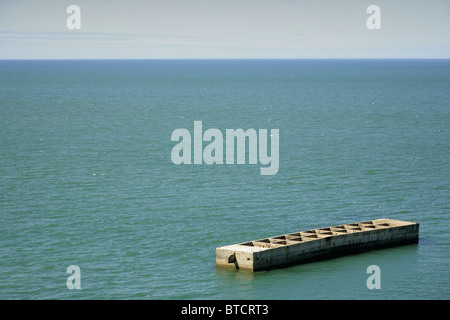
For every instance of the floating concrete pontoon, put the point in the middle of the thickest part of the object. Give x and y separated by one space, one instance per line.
317 244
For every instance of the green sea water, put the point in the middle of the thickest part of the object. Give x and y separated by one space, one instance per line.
86 176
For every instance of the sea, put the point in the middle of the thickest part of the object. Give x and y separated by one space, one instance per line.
87 177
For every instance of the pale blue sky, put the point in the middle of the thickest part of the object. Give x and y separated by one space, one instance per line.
139 29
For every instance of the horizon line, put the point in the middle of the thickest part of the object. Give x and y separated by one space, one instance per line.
330 58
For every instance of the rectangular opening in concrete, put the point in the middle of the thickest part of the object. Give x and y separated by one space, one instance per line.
325 232
383 225
310 237
339 229
366 225
294 238
295 234
280 242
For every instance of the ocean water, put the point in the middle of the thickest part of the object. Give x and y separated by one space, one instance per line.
86 176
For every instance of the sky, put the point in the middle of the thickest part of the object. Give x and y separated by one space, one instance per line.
224 29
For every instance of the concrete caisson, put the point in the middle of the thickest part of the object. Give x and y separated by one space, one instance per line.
317 244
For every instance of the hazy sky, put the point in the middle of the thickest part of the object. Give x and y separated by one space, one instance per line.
36 29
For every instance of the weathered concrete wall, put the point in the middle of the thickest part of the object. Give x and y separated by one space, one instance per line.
324 243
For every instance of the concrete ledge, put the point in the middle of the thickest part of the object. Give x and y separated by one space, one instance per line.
317 244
